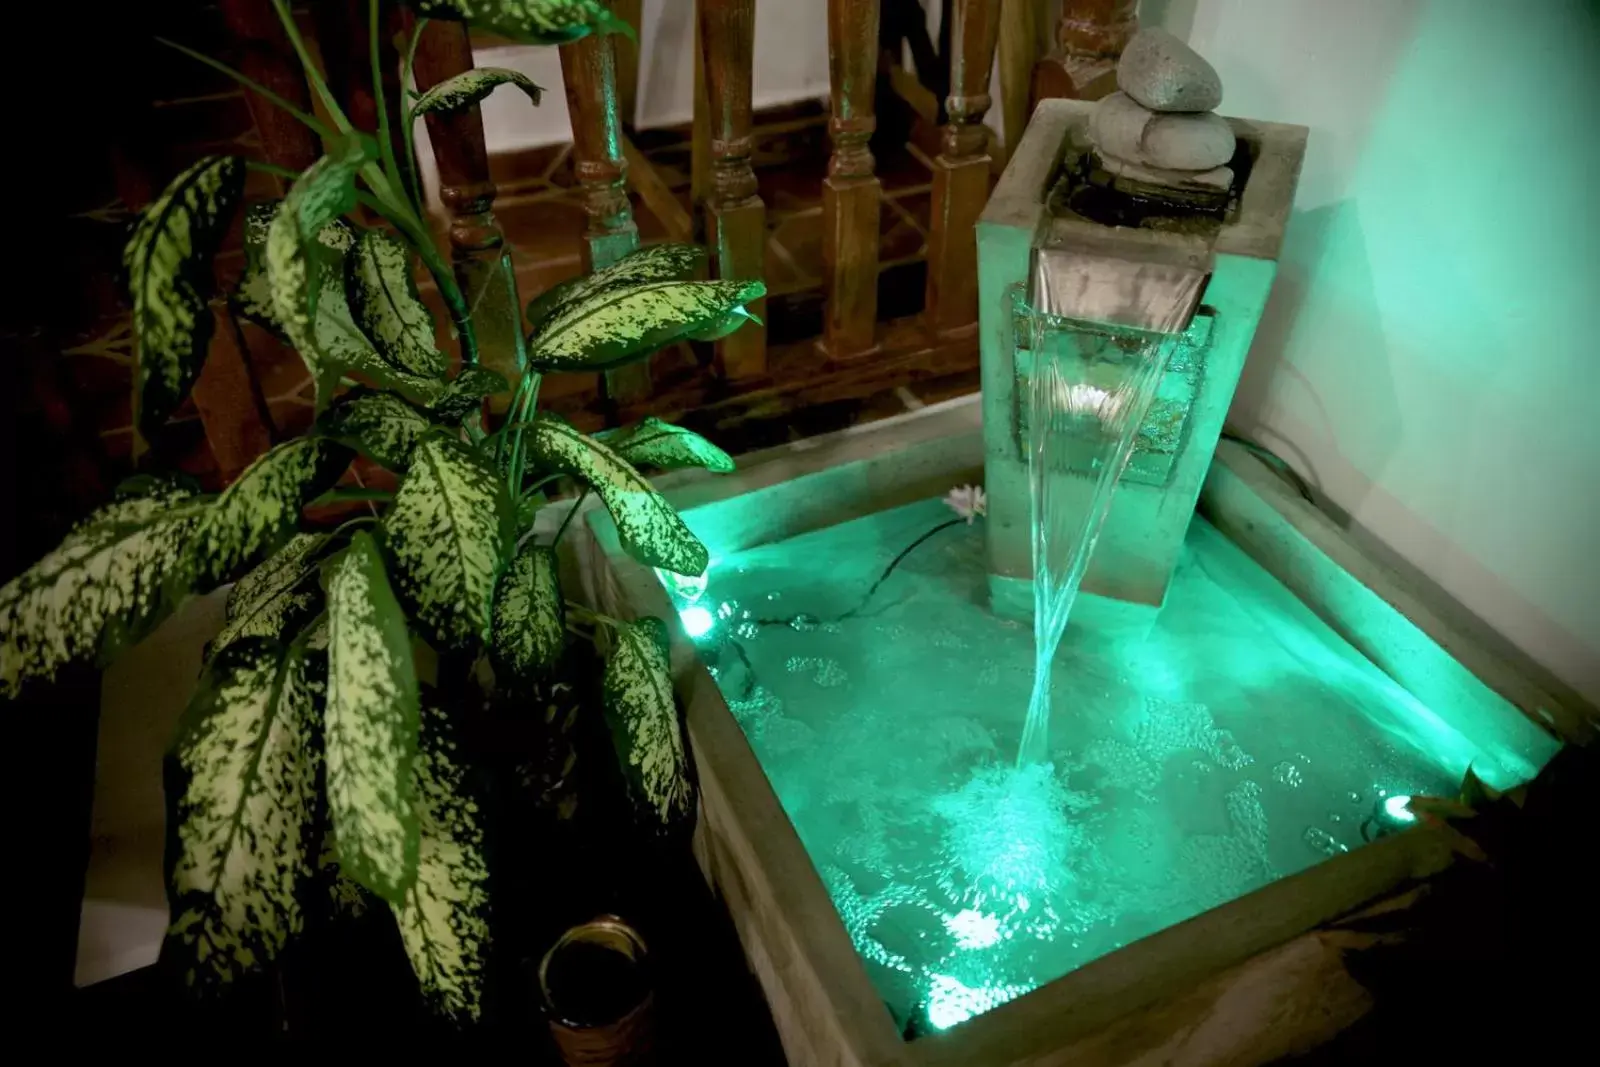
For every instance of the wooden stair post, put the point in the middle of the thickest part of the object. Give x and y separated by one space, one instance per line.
851 193
227 395
589 69
736 219
961 173
1090 37
477 243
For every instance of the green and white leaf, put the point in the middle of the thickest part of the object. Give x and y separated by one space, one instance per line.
728 324
341 346
649 529
654 263
376 424
108 583
643 717
256 514
371 724
280 595
530 624
382 291
529 21
248 754
443 919
168 262
447 536
466 392
630 322
295 266
654 443
468 87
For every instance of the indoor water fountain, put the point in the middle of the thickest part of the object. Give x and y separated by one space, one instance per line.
998 782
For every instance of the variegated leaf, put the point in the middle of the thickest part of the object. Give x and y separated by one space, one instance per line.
648 527
643 717
443 919
278 596
256 514
380 425
466 392
371 724
529 21
530 623
341 347
615 326
247 755
107 583
168 262
653 443
295 267
653 263
446 533
383 296
468 87
726 325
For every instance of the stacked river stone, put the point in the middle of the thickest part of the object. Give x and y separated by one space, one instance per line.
1161 128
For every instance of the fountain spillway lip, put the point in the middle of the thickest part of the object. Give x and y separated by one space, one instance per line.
1139 286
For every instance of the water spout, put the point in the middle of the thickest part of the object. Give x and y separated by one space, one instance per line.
1088 387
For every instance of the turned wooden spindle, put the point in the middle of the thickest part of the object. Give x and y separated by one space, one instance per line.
477 243
227 395
851 193
589 68
1090 37
736 219
961 173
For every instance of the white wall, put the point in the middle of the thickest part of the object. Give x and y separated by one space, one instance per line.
1430 355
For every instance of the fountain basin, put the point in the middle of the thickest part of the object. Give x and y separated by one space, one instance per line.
837 508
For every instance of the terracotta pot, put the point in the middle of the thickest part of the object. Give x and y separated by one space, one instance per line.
595 983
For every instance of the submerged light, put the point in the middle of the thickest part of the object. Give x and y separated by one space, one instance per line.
1397 809
697 621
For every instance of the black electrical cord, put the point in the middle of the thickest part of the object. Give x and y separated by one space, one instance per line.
801 618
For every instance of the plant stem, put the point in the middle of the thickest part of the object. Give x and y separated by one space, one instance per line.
408 121
576 504
374 50
345 494
313 75
310 121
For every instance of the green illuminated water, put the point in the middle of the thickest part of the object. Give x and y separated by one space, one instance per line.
1193 755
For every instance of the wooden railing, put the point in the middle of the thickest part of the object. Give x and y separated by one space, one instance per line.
600 82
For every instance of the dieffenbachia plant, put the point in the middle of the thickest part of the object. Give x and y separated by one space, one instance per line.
309 723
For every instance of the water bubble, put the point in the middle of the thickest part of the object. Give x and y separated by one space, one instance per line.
1324 842
727 609
1353 797
1287 774
747 630
804 622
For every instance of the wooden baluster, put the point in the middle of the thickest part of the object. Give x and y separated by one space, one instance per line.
961 173
736 219
1090 37
227 395
589 68
1022 38
851 193
477 244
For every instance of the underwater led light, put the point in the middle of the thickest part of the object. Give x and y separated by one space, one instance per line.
697 621
951 1001
1395 809
689 587
973 929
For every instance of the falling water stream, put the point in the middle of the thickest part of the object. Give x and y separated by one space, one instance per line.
1086 396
